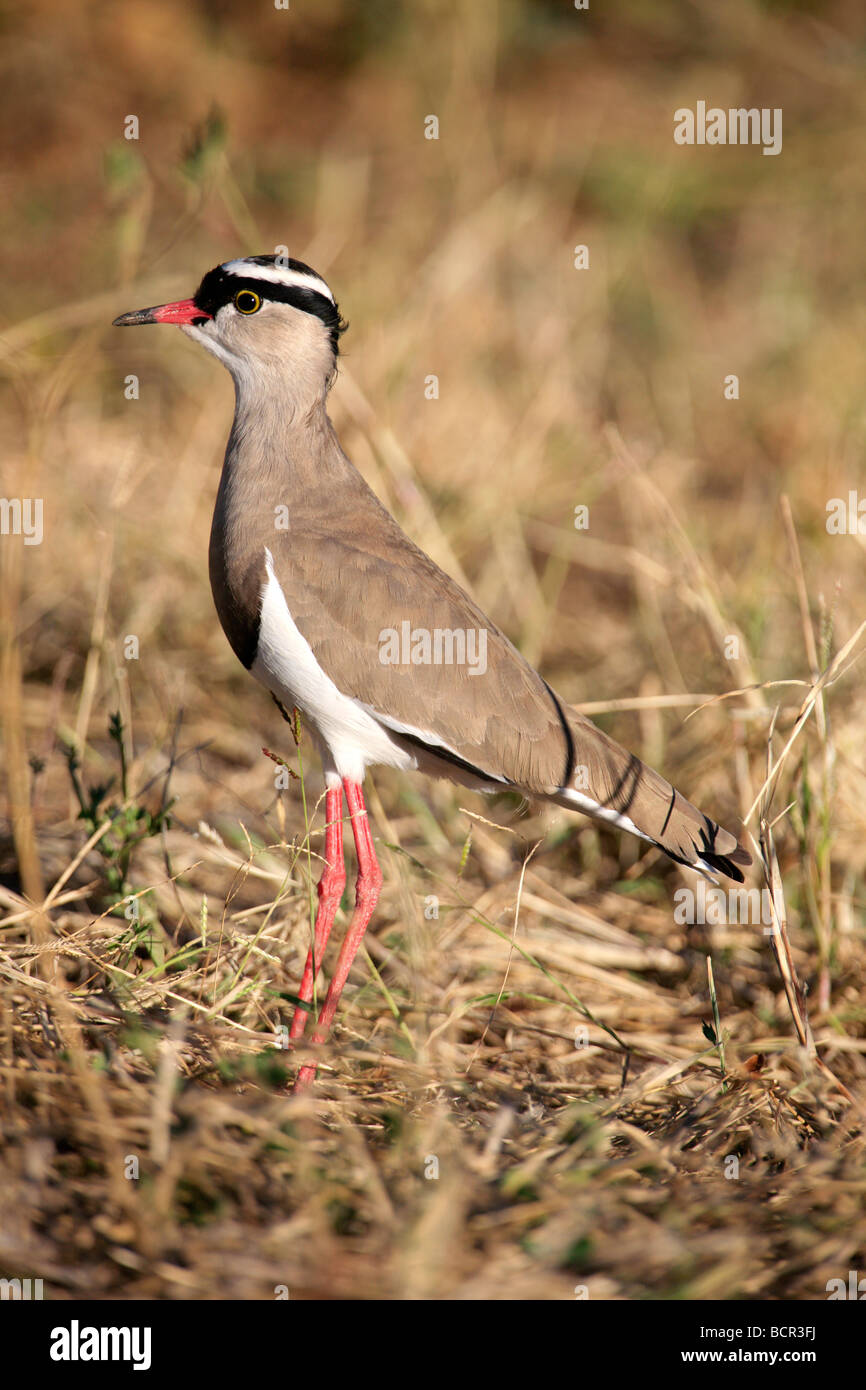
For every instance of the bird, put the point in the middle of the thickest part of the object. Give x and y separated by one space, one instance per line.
340 615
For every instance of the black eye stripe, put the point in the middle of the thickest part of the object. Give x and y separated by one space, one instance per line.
211 296
219 288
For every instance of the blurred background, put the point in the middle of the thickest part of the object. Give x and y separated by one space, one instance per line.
155 880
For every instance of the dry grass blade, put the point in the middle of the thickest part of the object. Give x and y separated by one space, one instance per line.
834 672
781 944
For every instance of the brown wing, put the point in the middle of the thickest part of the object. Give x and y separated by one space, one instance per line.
348 591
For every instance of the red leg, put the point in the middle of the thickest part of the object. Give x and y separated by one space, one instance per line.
330 891
367 886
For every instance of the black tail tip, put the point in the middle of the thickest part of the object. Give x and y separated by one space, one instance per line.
728 863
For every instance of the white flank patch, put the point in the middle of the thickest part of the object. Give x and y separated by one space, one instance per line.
606 813
286 665
278 275
485 781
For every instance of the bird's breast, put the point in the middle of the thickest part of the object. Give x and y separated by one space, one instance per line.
236 561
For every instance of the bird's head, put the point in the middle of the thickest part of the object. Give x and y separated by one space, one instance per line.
265 317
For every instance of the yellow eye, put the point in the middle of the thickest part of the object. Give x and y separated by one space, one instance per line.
247 302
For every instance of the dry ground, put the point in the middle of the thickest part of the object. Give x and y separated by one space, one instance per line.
521 1099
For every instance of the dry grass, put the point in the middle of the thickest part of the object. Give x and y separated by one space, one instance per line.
539 1043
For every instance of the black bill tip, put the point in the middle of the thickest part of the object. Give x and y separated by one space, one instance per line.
136 316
